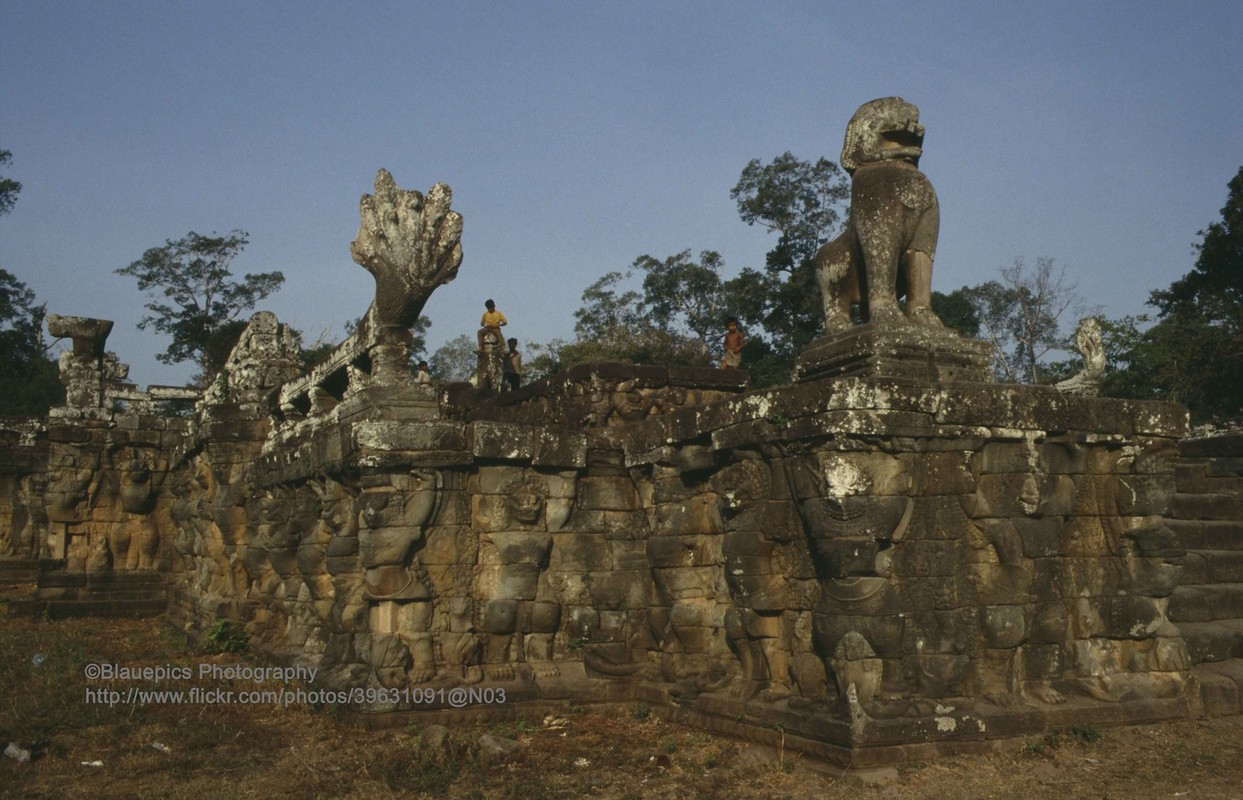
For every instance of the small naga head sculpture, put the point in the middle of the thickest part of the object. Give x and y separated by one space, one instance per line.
883 130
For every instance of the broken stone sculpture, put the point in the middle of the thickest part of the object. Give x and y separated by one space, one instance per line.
1087 381
88 335
83 369
890 240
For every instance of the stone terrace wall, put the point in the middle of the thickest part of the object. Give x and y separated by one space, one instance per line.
599 395
864 563
23 477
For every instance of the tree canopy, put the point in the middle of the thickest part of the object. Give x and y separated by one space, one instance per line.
1194 353
672 318
195 297
804 203
29 380
673 310
455 360
1021 315
9 188
797 200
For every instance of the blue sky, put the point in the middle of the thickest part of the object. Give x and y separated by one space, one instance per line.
578 136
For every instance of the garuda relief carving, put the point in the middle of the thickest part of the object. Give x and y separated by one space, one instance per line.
518 617
764 626
392 519
854 508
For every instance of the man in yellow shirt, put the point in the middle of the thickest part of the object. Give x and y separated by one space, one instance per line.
491 323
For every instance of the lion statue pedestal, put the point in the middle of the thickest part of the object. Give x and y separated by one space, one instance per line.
884 255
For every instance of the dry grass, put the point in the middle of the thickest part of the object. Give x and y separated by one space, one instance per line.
257 751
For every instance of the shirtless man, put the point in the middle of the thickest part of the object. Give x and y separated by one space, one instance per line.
734 342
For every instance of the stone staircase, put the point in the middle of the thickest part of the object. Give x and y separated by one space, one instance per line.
17 573
59 594
1207 515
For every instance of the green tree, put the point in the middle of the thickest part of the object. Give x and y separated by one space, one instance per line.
455 360
957 311
542 360
1195 350
1129 366
1021 315
29 380
804 204
672 320
684 297
9 188
195 296
797 200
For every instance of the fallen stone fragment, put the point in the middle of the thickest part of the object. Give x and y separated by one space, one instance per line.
497 749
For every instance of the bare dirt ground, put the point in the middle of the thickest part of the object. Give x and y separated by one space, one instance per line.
84 749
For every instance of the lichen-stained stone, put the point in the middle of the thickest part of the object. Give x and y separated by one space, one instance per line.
1008 494
885 633
934 474
522 547
1004 456
893 231
941 674
692 516
1135 617
494 479
1144 494
1063 458
409 436
685 551
928 558
337 565
489 512
622 525
607 494
580 552
1057 496
688 582
693 615
1160 419
449 544
1153 559
559 449
1084 536
501 442
1040 537
500 616
1003 583
1004 626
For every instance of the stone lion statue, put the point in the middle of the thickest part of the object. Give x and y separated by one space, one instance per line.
890 239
